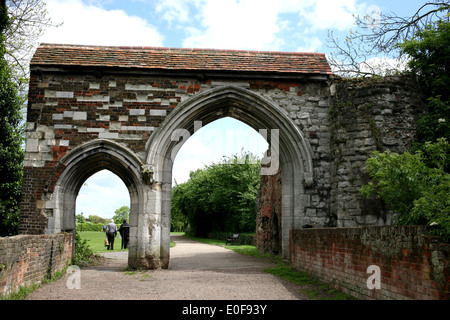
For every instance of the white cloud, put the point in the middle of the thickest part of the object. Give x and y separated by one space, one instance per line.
173 10
311 44
93 25
383 66
245 24
328 14
257 24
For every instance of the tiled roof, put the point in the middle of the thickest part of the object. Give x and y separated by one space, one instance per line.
181 59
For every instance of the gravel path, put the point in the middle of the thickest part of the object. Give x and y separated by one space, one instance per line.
196 272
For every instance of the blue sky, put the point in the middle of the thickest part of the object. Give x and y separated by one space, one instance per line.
282 25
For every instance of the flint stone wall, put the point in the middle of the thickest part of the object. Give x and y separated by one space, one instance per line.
367 115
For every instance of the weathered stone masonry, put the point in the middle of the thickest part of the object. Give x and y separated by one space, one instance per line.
367 115
361 116
67 111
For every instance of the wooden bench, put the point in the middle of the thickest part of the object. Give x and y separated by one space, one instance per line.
234 239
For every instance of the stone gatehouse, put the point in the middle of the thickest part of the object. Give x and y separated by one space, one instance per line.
129 110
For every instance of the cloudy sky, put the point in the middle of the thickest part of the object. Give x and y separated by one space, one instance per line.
281 25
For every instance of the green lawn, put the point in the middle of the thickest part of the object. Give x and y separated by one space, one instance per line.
96 241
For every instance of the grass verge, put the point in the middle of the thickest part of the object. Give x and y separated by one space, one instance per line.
23 292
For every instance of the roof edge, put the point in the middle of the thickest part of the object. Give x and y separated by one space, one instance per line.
182 72
62 45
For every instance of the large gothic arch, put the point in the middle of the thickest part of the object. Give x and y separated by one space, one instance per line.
295 155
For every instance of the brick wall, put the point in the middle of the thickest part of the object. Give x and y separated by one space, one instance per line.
412 264
28 259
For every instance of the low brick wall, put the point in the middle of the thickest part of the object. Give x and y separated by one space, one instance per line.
29 259
412 264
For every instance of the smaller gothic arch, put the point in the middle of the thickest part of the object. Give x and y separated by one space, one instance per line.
81 163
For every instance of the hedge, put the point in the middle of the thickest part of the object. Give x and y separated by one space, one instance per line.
88 226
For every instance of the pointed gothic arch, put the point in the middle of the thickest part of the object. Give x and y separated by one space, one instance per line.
80 164
295 154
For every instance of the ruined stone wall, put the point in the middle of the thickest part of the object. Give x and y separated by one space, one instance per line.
28 259
367 115
68 108
403 260
361 116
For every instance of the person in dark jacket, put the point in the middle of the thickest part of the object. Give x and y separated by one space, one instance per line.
111 232
124 231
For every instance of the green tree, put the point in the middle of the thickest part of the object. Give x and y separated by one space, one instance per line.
220 197
28 21
178 221
11 153
97 219
415 186
120 214
79 218
429 52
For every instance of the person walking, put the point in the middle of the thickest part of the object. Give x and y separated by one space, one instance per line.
124 231
111 232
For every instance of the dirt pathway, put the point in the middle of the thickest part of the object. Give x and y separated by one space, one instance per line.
197 272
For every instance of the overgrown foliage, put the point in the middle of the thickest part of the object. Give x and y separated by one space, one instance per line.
11 153
83 254
220 197
22 22
415 186
430 61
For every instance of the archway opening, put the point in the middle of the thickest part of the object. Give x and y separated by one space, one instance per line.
227 153
84 162
102 197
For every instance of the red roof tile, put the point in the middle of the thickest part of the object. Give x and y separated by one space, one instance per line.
181 59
